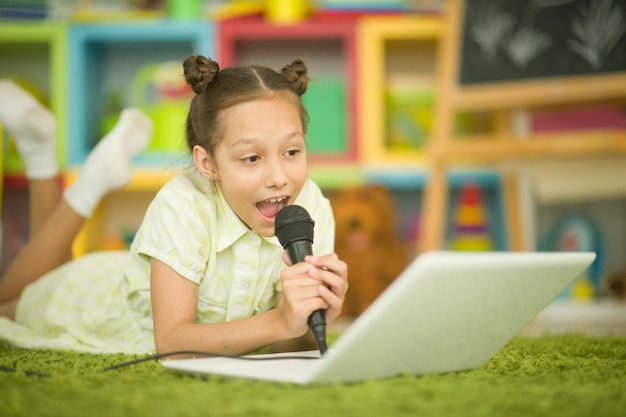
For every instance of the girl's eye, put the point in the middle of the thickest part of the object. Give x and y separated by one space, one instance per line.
250 159
292 152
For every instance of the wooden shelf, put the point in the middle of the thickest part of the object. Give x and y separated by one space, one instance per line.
538 93
545 145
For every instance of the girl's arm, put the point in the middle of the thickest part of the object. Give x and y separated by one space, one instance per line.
318 283
174 302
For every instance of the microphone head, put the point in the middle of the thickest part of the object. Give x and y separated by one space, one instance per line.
293 223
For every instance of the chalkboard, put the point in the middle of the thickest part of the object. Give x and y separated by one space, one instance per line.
508 40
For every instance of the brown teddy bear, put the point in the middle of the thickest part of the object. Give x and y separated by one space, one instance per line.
614 285
365 239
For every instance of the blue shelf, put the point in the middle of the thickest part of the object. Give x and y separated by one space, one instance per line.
105 58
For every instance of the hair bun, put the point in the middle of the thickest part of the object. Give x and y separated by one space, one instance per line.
296 75
199 72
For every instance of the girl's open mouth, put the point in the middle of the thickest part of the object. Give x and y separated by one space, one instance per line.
269 208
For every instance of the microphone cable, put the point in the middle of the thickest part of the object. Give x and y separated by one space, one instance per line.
159 356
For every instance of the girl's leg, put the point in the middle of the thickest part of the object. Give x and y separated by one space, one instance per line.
34 129
46 249
7 309
107 168
43 195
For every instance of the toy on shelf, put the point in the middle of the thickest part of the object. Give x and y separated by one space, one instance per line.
274 11
325 100
580 118
24 10
409 116
184 9
118 241
363 6
161 91
578 232
365 238
287 11
470 224
236 8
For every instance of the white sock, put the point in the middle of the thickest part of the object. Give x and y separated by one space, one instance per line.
33 129
108 166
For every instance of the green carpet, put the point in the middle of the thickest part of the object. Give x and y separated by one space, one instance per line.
562 376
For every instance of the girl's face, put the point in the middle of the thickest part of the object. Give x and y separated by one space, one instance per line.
260 162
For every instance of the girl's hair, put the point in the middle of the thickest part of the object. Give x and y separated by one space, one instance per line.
217 90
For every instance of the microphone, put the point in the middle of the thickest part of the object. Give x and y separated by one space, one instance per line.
294 229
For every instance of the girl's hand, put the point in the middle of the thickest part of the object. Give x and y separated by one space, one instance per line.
320 282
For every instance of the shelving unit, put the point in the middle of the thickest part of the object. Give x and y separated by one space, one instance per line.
351 137
361 67
506 101
345 149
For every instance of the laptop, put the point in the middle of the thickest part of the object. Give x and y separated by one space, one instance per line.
447 311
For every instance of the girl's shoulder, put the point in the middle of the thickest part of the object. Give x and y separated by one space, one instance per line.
186 195
187 184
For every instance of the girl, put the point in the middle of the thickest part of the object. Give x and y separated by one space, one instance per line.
205 271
